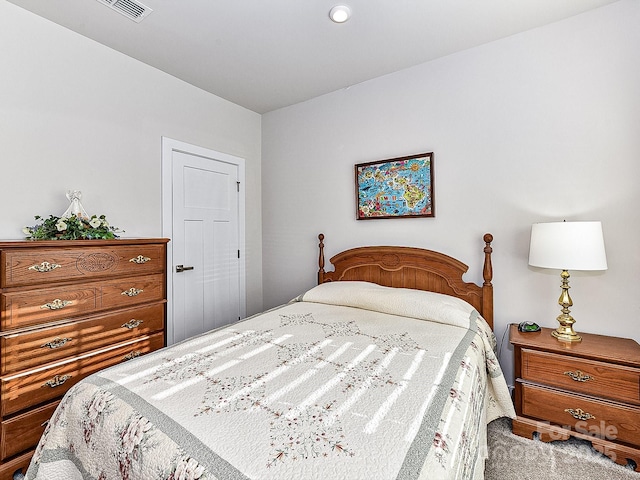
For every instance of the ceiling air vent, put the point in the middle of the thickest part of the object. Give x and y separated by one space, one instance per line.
134 10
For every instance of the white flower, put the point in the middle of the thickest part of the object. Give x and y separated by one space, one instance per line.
134 433
26 231
98 405
95 222
188 470
61 226
105 223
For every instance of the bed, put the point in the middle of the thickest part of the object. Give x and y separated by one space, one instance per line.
386 369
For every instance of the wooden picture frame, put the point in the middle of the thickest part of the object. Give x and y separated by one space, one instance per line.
395 188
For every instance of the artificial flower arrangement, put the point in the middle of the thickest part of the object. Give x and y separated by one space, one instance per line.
71 228
74 224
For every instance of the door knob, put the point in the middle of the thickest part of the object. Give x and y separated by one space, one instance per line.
182 268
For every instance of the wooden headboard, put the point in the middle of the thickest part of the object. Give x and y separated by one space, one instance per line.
409 267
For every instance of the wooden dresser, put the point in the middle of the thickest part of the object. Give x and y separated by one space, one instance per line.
588 390
68 309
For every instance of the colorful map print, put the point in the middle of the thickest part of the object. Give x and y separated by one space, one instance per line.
395 188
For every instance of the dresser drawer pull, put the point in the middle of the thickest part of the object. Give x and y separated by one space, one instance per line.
579 414
140 259
132 355
56 381
56 343
579 376
133 323
57 304
44 267
132 292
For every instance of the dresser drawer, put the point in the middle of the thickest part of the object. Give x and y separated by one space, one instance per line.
32 307
40 385
17 464
132 291
30 349
590 377
28 266
609 420
24 431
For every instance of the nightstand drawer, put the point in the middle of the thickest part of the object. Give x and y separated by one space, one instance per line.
33 387
600 418
590 377
51 265
33 348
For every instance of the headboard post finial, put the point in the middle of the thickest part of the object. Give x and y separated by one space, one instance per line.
321 259
487 287
487 271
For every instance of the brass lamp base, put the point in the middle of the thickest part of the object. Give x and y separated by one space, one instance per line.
566 334
565 331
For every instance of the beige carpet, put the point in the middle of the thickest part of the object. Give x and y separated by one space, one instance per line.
518 458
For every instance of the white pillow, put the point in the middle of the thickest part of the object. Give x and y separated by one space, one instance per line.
404 302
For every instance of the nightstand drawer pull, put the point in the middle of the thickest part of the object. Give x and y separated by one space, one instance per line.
57 304
56 343
140 259
132 355
132 292
56 381
579 376
579 414
44 267
133 323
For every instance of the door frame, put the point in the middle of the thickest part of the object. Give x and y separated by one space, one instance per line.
169 146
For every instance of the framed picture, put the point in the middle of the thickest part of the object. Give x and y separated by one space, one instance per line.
395 188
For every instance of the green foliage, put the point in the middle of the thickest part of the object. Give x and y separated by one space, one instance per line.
72 228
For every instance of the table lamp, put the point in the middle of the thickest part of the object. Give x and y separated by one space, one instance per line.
567 246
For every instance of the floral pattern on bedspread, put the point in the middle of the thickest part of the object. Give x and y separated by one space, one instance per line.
130 437
304 391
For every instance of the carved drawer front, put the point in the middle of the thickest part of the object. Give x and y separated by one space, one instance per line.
24 431
131 291
591 377
34 267
609 420
30 349
20 309
36 386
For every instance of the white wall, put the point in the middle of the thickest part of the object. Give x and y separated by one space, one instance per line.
77 115
541 126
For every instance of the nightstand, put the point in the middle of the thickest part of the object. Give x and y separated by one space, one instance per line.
588 390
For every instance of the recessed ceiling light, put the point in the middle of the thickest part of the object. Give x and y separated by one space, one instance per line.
340 13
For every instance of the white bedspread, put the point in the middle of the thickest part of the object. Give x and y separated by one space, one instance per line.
350 381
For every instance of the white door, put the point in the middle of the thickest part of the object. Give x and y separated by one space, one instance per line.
203 207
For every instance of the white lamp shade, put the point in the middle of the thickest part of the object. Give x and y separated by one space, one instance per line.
567 246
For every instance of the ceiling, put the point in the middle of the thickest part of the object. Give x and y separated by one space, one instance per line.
265 55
